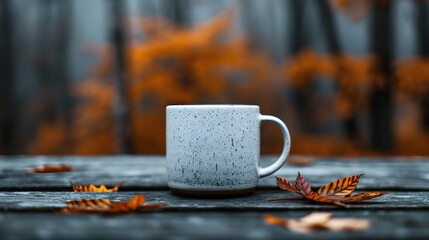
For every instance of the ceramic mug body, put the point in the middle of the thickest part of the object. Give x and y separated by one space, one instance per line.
214 148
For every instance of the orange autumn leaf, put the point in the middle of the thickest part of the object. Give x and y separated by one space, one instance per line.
340 188
102 206
337 193
319 221
362 196
51 169
318 198
93 188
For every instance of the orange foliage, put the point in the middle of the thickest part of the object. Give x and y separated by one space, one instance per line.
326 145
353 75
90 127
210 63
356 80
307 65
410 137
50 138
413 76
206 63
94 124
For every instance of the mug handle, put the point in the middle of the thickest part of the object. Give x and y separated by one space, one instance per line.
263 172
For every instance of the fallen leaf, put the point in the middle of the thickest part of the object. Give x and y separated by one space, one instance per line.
93 188
300 161
347 224
362 197
337 193
317 198
102 206
302 185
285 185
316 219
276 221
319 221
292 225
51 169
340 188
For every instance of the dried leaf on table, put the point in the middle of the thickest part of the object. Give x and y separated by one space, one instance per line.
51 169
337 193
302 185
319 221
286 185
102 206
340 188
362 197
93 188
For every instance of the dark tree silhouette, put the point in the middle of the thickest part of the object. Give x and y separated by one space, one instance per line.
422 18
381 101
117 8
8 111
328 24
298 42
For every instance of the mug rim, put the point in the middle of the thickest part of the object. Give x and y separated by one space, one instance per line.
213 106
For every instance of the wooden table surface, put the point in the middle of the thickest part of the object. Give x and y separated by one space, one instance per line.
27 201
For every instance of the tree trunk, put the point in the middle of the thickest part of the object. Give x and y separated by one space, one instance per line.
121 106
328 24
62 46
381 102
422 19
297 8
297 44
178 12
8 113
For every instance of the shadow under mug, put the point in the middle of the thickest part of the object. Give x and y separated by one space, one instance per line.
214 150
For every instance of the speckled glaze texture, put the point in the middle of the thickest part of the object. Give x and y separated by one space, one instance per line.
213 147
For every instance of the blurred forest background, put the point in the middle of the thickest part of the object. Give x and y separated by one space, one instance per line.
348 77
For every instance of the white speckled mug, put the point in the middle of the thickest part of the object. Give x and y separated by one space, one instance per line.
214 150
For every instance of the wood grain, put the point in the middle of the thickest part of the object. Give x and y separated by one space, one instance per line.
395 224
47 201
149 173
27 201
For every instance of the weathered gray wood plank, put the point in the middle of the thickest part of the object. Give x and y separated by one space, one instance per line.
149 172
46 201
203 225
